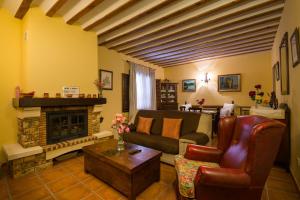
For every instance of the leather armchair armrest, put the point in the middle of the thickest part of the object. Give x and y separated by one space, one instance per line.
222 177
203 153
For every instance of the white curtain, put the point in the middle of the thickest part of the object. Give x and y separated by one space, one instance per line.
141 89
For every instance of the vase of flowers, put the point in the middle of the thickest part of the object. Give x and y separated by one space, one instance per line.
99 86
257 95
120 127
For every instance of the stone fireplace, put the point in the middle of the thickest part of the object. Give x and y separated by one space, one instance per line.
50 127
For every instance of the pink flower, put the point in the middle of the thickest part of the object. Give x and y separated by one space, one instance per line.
120 130
127 129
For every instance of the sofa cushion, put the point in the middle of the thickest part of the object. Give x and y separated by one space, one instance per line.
190 120
199 138
144 125
171 128
167 145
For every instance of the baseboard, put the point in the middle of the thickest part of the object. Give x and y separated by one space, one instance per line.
295 180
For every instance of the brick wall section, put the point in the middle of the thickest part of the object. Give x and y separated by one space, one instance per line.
90 121
22 166
28 131
96 122
43 139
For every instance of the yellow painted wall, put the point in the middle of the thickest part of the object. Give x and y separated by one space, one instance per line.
116 62
10 64
56 54
289 21
254 69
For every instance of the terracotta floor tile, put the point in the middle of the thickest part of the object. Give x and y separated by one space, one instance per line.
75 168
3 193
281 185
52 174
94 183
108 193
153 191
93 196
69 162
81 175
35 194
67 180
62 183
23 184
282 195
167 194
75 192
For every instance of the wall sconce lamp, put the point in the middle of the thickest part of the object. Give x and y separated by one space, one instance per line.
205 78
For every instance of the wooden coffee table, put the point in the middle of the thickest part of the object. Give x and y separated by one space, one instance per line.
129 174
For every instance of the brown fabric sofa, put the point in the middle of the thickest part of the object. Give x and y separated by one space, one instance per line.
167 145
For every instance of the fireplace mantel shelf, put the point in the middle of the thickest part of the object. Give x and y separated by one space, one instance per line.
56 102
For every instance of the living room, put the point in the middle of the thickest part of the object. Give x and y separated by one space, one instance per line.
47 45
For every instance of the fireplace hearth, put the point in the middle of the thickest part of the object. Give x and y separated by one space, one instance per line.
51 127
66 125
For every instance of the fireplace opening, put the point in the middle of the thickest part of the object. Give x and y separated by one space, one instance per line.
66 125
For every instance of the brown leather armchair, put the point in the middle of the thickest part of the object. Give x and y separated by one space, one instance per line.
247 147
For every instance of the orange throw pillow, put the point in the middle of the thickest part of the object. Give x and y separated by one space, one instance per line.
171 128
144 125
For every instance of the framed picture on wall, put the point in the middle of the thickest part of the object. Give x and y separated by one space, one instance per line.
274 77
106 78
284 65
229 83
277 71
189 85
295 47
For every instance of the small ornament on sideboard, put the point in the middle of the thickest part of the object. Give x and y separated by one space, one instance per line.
46 95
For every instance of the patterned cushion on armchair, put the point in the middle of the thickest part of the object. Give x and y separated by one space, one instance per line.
186 171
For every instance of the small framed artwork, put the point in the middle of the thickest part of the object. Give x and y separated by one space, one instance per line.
274 77
277 71
106 78
189 85
229 83
295 47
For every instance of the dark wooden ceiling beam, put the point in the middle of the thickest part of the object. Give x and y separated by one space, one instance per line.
213 46
23 8
240 44
218 52
217 56
58 4
211 41
167 11
205 37
214 28
191 27
110 15
84 11
171 23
